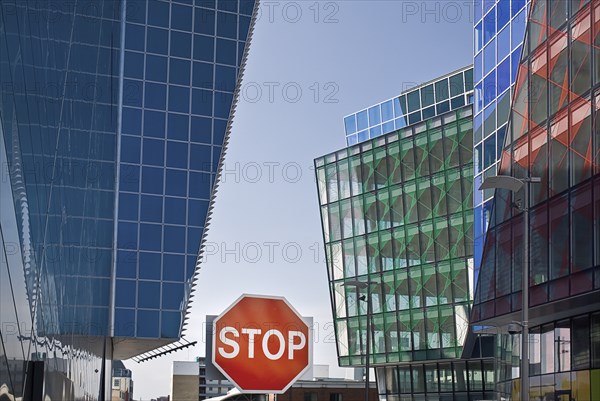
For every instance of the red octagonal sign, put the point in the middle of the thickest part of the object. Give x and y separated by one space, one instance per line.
261 344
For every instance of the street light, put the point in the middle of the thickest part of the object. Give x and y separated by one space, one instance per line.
361 285
514 185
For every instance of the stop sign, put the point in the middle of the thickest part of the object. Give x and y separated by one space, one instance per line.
261 344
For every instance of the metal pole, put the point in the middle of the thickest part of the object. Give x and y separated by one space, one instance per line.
368 342
525 306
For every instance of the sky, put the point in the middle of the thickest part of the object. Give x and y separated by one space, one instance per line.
310 64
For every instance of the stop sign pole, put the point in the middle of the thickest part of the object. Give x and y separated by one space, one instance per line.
262 344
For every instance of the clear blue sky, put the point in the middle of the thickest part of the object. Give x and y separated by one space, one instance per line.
356 53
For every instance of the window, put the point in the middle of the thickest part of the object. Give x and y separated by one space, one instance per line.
310 396
335 397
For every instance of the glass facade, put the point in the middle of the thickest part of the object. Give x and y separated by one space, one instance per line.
499 31
439 96
113 116
396 210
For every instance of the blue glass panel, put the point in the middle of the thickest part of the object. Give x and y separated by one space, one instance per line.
134 12
191 267
154 152
132 121
489 27
178 126
414 102
129 177
374 115
179 99
181 44
443 107
124 322
387 110
204 21
362 120
134 65
478 96
400 122
201 131
489 151
155 96
152 180
219 127
125 293
363 135
478 7
172 296
179 71
416 117
478 68
504 75
130 149
204 48
174 239
428 112
134 37
375 131
227 25
150 238
156 68
147 324
518 29
154 123
132 94
350 124
489 89
158 13
200 157
126 264
128 206
176 182
177 154
127 235
151 208
388 127
197 212
228 5
181 17
515 58
202 101
478 37
158 40
223 103
517 5
489 57
488 5
500 135
170 323
175 210
225 78
478 159
200 185
226 51
457 102
148 294
173 267
503 43
194 236
203 75
503 13
244 27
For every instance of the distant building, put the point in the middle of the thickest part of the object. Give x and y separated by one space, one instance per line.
209 388
184 381
122 383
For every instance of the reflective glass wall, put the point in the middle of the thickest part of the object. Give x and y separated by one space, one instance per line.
439 96
396 210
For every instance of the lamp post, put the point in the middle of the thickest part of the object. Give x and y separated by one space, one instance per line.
514 185
361 285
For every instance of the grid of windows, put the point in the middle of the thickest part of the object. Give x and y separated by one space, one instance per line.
418 104
396 210
553 135
499 30
180 69
564 360
457 381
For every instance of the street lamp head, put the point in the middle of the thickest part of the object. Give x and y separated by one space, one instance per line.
502 182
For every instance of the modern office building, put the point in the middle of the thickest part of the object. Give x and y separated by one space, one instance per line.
397 212
114 117
420 103
552 134
499 31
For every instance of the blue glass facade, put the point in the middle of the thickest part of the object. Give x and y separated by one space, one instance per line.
499 31
428 100
113 116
